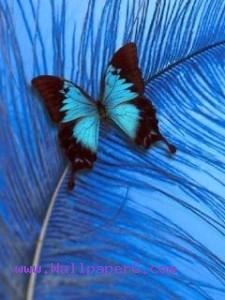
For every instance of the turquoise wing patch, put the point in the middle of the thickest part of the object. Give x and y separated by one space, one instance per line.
126 116
75 104
86 132
117 99
78 108
117 89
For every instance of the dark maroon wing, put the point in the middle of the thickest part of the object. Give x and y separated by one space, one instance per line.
125 60
54 91
79 156
49 88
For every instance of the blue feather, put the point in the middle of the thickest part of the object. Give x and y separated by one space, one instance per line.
134 206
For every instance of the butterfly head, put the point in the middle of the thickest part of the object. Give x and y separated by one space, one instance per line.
101 110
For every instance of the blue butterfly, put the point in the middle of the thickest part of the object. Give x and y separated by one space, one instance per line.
122 101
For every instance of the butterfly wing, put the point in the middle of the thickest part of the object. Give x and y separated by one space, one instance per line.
77 116
124 100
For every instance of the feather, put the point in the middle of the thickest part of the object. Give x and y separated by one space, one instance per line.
135 207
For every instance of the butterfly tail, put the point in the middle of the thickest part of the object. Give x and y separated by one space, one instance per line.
148 131
71 180
77 165
171 147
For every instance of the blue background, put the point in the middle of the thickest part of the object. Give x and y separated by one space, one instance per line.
134 205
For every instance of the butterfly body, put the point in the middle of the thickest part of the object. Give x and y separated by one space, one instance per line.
122 102
102 111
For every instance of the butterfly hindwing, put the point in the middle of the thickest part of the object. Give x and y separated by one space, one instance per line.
80 156
77 116
124 100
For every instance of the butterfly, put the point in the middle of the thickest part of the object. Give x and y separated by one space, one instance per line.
122 101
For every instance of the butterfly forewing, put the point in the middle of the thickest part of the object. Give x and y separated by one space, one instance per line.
49 88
